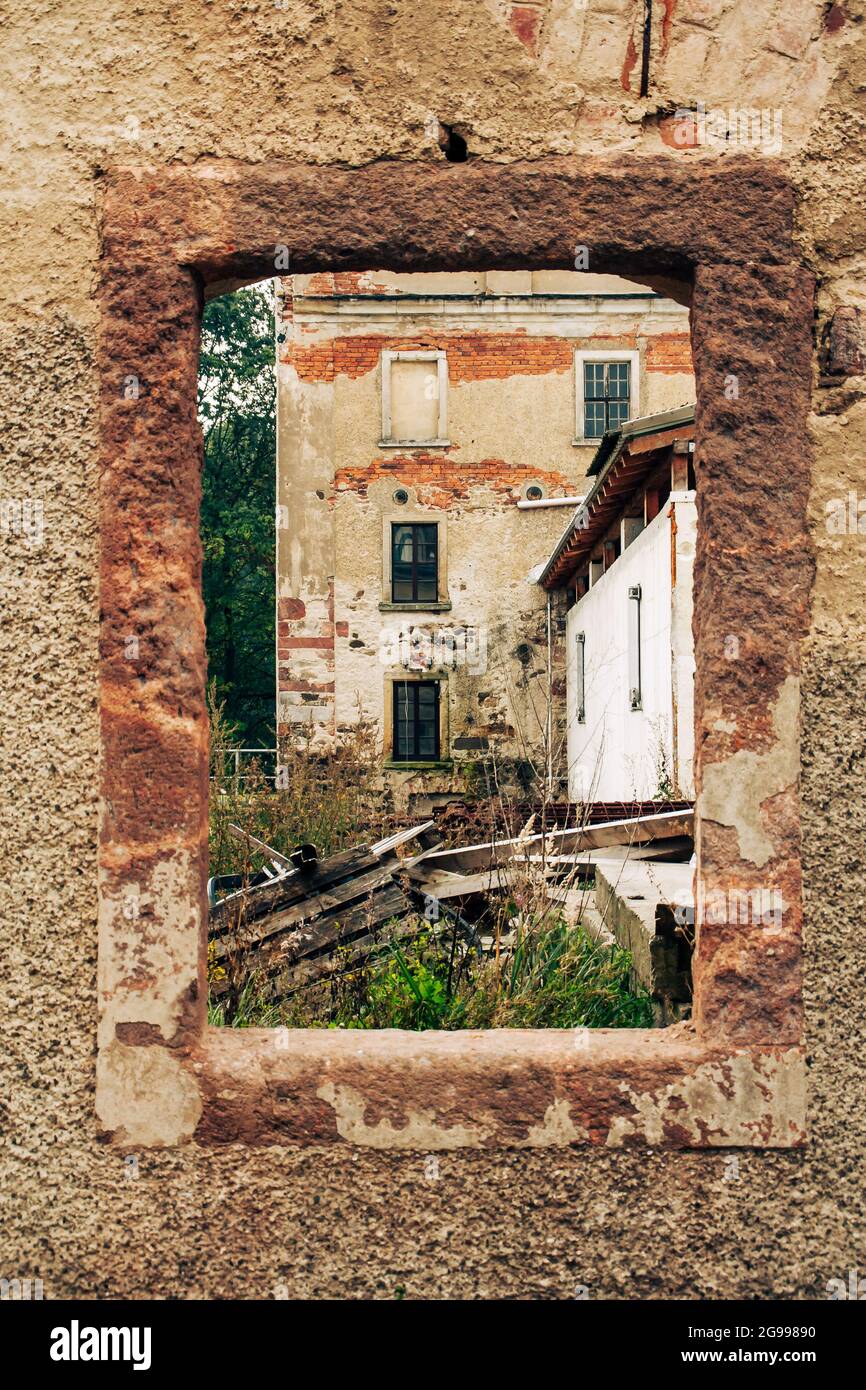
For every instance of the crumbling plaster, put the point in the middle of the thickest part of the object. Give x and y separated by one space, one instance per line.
189 82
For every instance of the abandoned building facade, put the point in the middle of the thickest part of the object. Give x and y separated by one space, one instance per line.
434 434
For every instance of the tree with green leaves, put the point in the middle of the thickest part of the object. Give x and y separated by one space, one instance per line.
237 410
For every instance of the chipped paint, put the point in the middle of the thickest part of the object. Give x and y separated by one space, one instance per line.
148 957
735 789
145 1096
628 65
557 1127
421 1130
739 1101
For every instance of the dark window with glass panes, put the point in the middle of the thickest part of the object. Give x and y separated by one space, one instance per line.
416 721
606 392
414 562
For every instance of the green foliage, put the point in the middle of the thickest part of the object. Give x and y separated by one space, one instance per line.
236 406
555 977
406 989
249 1010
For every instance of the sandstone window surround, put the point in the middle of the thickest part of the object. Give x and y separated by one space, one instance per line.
414 516
414 399
583 356
722 227
399 679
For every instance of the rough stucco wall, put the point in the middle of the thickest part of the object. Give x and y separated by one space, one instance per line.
358 84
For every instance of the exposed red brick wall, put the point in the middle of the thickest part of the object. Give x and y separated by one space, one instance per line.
304 687
323 643
441 480
305 648
329 282
669 352
291 608
524 21
479 356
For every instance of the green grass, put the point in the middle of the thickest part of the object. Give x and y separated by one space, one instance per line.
555 977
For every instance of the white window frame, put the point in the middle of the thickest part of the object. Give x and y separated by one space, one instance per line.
603 355
580 678
438 356
635 673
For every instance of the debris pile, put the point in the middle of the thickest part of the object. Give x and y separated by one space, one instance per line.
302 919
307 917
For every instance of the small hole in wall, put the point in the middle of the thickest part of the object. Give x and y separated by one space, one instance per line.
401 496
534 493
452 145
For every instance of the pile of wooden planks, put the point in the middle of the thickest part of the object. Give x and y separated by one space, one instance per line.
632 832
311 918
302 919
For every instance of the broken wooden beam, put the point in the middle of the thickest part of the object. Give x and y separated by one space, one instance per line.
300 857
640 830
403 837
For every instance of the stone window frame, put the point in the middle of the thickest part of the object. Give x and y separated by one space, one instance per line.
440 678
389 357
614 354
409 514
723 229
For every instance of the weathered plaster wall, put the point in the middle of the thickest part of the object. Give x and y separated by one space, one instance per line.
94 84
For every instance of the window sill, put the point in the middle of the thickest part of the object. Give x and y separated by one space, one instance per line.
414 443
587 443
443 765
444 606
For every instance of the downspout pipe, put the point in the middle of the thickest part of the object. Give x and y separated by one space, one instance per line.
549 730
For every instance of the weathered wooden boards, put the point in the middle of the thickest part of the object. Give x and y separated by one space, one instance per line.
316 917
640 830
311 921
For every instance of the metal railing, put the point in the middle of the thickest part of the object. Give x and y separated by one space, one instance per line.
226 764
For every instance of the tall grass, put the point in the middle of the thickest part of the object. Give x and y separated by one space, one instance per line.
557 976
324 798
